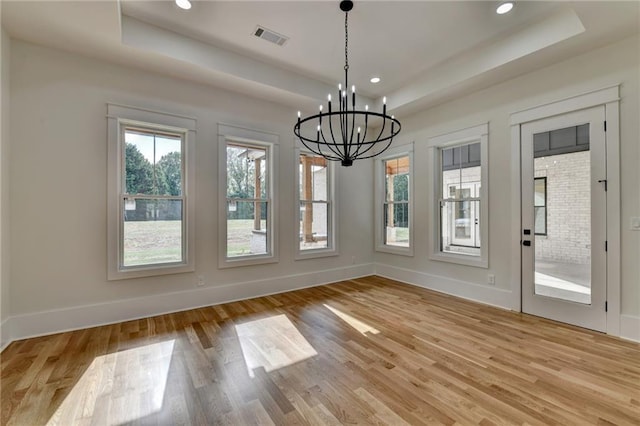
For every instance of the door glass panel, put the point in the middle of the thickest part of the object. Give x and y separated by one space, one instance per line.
562 211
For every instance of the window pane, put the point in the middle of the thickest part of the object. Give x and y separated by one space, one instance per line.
247 232
313 178
314 225
397 179
540 220
461 183
539 191
540 202
396 224
168 166
152 232
460 230
153 163
246 172
460 168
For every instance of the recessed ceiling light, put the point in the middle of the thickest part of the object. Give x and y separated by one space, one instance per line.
504 8
184 4
375 80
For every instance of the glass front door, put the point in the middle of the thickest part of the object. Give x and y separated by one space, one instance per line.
564 219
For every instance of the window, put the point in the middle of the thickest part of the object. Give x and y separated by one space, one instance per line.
394 209
540 205
149 216
460 207
315 217
247 220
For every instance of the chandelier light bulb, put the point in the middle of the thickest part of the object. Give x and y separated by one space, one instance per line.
329 97
353 89
366 107
384 100
320 107
298 114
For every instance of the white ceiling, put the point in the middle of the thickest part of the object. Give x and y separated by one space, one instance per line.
424 51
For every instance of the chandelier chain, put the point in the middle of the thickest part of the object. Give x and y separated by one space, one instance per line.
346 41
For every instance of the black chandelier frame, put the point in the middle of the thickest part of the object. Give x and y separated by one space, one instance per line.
347 150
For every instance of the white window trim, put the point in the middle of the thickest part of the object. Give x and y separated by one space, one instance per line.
480 134
231 133
332 249
117 117
396 152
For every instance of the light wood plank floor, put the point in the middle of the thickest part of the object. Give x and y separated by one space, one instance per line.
365 351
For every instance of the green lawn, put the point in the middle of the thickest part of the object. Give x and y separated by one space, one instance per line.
160 241
151 242
239 236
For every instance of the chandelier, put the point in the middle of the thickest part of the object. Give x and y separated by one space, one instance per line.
340 134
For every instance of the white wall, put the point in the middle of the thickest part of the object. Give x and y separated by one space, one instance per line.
610 65
57 186
58 190
5 46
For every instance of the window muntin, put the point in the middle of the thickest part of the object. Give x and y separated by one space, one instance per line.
248 203
540 205
315 222
458 198
150 203
152 200
459 201
396 202
393 201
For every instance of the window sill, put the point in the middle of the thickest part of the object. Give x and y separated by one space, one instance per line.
246 261
400 251
316 254
149 271
461 259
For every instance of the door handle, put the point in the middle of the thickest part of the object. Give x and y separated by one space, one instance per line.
605 183
526 243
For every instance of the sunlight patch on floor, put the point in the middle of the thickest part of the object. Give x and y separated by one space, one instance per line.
272 343
362 327
547 285
118 388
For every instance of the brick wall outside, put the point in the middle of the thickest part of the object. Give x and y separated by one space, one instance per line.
568 236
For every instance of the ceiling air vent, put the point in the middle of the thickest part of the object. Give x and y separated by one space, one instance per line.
272 36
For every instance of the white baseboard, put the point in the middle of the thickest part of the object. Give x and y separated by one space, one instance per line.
49 322
465 290
630 327
75 318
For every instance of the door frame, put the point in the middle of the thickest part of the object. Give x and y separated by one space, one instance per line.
609 97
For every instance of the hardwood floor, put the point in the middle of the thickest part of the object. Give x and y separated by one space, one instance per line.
366 351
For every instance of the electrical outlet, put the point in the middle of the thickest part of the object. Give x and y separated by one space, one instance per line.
491 279
635 223
200 281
